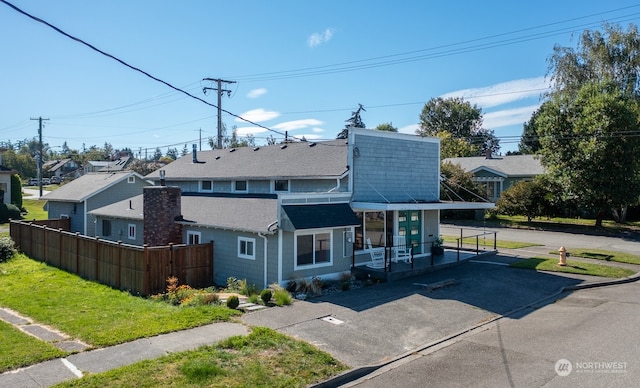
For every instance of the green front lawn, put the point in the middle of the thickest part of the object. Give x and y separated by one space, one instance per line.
577 267
94 313
264 358
18 349
35 209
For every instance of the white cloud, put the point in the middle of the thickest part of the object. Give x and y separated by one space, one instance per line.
244 131
297 124
502 93
320 37
258 115
507 117
255 93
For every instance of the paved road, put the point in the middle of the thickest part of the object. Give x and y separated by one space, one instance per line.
586 339
624 243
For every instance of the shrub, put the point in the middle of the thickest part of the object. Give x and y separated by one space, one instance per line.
7 248
233 302
282 297
266 295
9 211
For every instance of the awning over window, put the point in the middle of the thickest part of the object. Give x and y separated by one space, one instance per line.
321 216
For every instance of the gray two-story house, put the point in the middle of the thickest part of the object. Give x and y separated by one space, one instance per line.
292 210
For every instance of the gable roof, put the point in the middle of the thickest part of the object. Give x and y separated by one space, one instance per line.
280 161
53 165
242 214
87 186
506 166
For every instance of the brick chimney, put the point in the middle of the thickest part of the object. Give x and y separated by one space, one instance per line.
161 208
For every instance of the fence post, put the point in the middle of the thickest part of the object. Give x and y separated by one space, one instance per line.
78 253
97 256
60 247
145 269
119 267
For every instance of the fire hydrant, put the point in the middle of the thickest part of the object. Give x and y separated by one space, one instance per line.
563 256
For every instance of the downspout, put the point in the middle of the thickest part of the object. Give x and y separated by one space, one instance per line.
337 186
266 245
265 257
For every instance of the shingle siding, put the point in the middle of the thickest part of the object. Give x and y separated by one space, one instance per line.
395 170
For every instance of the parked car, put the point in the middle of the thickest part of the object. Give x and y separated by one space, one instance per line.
46 181
33 182
55 180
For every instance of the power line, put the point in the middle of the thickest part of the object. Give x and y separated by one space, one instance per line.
39 20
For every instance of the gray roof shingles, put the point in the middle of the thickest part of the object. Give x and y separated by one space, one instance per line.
244 214
86 186
280 161
510 165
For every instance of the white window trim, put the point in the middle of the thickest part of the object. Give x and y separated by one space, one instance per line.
203 190
307 233
233 186
194 233
131 227
131 179
64 216
246 240
273 186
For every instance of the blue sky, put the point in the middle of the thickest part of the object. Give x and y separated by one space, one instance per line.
301 67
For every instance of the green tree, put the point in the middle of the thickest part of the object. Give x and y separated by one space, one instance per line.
16 191
589 147
458 184
388 127
612 55
463 124
355 121
529 141
528 198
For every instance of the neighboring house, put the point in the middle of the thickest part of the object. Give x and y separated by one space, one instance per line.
91 191
60 168
496 174
119 164
5 183
293 210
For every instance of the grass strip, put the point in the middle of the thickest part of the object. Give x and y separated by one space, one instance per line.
264 358
484 242
92 312
576 267
18 349
598 254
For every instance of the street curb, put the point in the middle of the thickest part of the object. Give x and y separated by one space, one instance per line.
360 372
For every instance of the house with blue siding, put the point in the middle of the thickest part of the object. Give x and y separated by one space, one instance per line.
77 198
292 210
495 174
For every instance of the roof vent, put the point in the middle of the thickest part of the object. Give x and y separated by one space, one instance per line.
283 146
232 150
257 148
217 157
312 144
195 154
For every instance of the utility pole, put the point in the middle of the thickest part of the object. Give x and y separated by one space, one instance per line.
220 91
200 130
40 119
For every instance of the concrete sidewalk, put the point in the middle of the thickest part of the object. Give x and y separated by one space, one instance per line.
100 360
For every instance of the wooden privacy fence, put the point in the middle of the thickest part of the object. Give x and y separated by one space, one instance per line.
139 270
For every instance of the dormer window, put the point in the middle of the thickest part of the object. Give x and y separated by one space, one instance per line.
281 185
240 186
131 179
206 186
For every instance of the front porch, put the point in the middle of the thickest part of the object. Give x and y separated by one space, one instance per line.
419 265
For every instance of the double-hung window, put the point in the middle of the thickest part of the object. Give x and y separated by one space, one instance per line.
193 237
247 248
131 231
